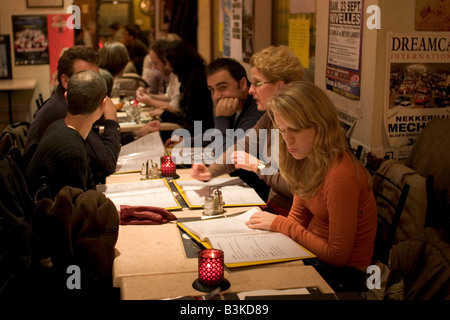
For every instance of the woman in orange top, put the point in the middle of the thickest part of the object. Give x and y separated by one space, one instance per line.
334 213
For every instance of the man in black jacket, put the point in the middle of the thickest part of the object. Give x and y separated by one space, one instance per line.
61 156
103 150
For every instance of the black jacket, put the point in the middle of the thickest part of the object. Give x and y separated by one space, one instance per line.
103 150
77 229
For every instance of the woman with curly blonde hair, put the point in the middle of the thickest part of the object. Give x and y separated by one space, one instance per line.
334 213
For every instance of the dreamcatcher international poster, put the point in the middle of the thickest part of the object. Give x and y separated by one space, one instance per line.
418 86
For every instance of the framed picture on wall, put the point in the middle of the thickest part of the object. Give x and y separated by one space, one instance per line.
5 57
45 3
30 40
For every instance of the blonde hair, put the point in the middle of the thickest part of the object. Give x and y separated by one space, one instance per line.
303 105
171 37
278 63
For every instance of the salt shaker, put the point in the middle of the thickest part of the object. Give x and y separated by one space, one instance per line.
154 171
210 207
218 201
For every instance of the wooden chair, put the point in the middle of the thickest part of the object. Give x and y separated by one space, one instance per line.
384 188
127 84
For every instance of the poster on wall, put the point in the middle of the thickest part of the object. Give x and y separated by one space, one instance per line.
432 15
5 57
226 40
247 29
60 38
236 23
30 40
236 30
299 39
343 71
417 86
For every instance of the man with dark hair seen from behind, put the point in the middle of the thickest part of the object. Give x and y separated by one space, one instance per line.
61 156
103 150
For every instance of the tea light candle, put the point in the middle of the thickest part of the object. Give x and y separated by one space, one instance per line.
210 267
168 167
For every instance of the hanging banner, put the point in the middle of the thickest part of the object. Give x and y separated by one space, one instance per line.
343 72
30 40
60 38
417 85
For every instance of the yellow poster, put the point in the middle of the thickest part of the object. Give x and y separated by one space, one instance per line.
299 39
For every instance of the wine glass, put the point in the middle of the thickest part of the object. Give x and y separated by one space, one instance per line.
133 109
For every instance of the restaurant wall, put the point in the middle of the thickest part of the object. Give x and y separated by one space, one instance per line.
24 101
396 16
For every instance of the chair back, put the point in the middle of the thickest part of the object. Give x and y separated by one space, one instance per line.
384 188
127 84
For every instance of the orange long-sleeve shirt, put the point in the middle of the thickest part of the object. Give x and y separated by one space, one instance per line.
339 223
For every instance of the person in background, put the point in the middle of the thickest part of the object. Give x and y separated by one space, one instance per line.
136 48
271 69
61 156
334 212
195 102
103 149
158 80
115 31
170 100
234 108
113 58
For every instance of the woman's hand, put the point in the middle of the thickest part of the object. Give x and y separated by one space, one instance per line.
243 160
200 172
143 96
152 126
261 220
156 113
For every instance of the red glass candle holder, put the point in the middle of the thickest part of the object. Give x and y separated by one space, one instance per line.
210 271
168 167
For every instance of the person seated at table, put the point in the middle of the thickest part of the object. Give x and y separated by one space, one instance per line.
334 213
157 79
170 99
113 58
234 109
103 149
195 102
61 156
271 69
137 49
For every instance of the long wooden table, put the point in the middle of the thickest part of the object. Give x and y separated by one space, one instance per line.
151 262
